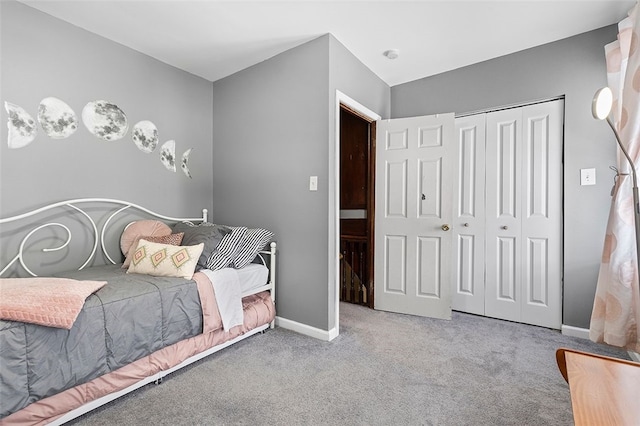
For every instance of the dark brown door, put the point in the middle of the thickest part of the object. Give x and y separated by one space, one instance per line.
357 153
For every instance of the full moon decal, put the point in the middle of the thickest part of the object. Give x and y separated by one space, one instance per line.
105 120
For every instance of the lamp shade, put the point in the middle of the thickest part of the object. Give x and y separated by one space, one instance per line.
602 103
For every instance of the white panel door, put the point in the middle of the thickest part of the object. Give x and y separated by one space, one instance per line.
523 275
503 205
469 215
542 214
413 215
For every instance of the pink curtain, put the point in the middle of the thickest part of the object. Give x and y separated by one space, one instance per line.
615 319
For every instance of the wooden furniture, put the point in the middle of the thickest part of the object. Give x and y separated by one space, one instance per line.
604 390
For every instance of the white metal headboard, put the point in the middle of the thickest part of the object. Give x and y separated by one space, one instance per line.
117 206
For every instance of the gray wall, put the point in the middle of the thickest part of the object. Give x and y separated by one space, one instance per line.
43 56
270 132
573 67
274 126
354 79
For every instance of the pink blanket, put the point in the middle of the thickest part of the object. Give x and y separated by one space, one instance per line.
53 302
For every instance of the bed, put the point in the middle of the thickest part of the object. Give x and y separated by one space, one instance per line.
174 291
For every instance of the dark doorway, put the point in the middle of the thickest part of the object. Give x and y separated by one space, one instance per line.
357 179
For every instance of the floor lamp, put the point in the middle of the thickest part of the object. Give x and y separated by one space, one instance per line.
601 109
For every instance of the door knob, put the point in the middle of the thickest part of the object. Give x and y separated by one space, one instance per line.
505 227
445 227
466 225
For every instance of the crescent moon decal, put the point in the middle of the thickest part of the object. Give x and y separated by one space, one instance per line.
185 163
22 127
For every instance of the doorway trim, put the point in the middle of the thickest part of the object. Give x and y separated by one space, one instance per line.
334 205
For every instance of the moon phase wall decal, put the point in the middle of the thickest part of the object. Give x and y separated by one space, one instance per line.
22 128
185 163
57 118
102 118
145 136
105 120
168 155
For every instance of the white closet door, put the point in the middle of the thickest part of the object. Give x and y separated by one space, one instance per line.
469 216
413 215
504 162
542 214
508 214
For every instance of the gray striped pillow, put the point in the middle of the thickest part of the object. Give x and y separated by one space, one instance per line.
224 254
253 242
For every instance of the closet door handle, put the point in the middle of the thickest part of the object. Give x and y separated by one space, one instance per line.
505 227
466 225
445 227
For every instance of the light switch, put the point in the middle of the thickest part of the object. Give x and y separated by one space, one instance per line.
587 176
313 183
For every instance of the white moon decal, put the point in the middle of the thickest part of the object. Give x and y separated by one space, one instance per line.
168 155
105 120
185 163
57 118
22 127
145 136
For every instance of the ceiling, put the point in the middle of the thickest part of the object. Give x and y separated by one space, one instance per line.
213 39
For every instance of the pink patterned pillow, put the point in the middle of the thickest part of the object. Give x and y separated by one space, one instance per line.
172 239
150 228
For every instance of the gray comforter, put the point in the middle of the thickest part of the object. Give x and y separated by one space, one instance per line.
129 318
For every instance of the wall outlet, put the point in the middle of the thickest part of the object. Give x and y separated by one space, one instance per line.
587 176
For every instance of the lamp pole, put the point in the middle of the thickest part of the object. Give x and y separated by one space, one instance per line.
601 109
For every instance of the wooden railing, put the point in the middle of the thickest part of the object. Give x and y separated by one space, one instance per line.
353 270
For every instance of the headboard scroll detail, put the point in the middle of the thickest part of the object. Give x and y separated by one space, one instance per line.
99 232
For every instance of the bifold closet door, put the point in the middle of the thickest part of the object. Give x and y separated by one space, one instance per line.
542 214
524 214
469 215
504 161
508 233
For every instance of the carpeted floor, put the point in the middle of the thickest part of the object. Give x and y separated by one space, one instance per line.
383 369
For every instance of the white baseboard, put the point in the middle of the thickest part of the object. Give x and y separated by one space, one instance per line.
583 333
333 333
307 330
569 330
